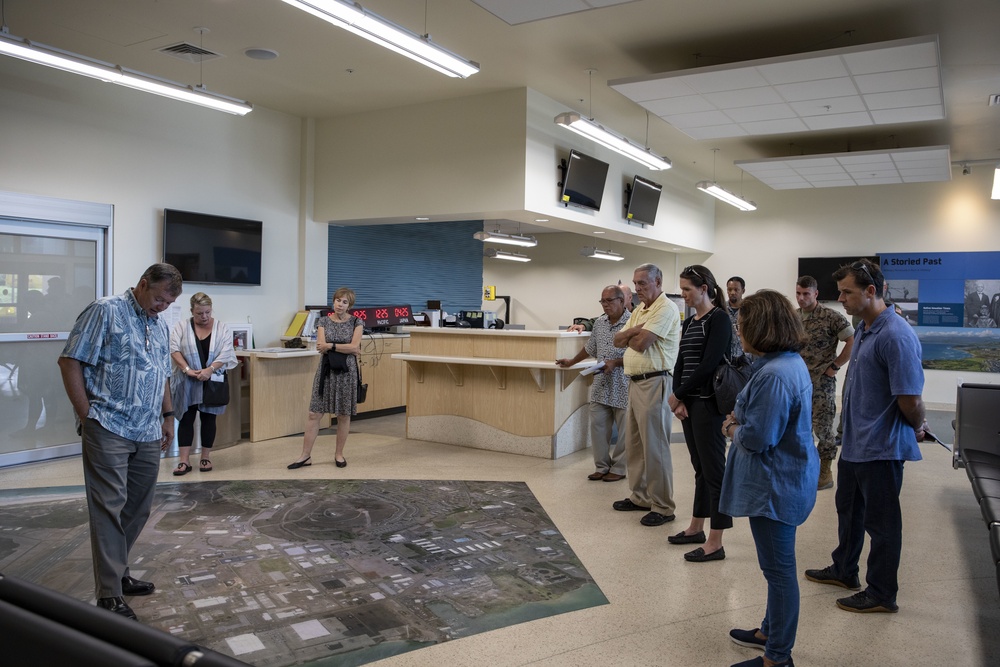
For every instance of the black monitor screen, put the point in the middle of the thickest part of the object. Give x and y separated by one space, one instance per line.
643 201
211 248
583 184
822 269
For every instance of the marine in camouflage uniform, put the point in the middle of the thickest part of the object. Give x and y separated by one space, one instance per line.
825 328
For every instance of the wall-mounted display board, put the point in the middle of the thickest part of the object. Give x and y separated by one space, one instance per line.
953 300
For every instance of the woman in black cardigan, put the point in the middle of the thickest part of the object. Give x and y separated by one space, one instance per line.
705 340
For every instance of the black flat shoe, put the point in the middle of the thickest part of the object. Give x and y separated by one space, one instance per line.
298 464
681 538
118 606
699 555
132 586
341 464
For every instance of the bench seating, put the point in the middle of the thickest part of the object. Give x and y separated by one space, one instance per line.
977 449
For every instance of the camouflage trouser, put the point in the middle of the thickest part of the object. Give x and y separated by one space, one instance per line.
824 410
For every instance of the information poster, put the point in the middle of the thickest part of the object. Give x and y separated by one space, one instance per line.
953 301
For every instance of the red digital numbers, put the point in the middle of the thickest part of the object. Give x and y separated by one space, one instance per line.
361 314
402 312
381 313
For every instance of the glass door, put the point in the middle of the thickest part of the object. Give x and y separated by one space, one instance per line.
49 272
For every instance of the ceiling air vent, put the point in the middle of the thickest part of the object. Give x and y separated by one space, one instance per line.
189 52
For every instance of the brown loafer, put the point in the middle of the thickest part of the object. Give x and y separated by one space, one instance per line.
595 476
613 477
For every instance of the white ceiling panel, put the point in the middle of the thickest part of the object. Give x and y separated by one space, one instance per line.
674 106
835 121
898 80
901 165
814 90
803 69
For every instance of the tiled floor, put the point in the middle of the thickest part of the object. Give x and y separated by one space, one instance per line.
663 610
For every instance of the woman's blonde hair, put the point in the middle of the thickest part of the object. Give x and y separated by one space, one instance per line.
200 299
342 292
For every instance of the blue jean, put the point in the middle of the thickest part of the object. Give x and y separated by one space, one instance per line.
868 501
776 554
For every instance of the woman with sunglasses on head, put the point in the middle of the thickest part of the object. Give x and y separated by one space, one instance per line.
335 385
705 340
773 465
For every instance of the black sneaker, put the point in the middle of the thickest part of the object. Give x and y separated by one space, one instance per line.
863 603
628 506
747 638
656 519
826 576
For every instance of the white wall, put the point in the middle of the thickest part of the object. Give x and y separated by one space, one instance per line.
559 283
763 246
73 138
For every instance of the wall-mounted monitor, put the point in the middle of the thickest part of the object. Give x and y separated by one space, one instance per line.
212 249
643 200
822 268
583 181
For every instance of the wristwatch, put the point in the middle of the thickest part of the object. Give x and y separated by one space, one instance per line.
834 366
168 413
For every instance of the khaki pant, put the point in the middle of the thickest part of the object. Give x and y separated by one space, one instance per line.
647 444
607 457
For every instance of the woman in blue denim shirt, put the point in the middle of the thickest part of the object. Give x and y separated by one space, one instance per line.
773 465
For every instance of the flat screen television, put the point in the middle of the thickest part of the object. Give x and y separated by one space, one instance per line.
643 200
822 268
583 181
212 249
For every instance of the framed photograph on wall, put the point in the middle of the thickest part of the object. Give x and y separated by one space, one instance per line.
242 336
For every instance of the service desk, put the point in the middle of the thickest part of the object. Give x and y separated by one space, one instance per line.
281 384
496 389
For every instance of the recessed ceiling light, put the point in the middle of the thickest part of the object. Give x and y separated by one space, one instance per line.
542 220
598 232
260 54
640 241
423 219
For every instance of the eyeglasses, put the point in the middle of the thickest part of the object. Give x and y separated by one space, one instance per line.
612 300
860 266
691 269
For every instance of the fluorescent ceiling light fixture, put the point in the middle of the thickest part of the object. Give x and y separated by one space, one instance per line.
507 239
996 183
355 18
601 254
596 132
503 254
725 195
95 69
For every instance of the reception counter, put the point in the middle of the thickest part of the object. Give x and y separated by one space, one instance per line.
280 382
496 389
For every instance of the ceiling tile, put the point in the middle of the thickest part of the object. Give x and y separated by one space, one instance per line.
674 106
911 165
901 79
814 90
686 120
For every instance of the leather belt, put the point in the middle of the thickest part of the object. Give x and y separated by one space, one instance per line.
644 376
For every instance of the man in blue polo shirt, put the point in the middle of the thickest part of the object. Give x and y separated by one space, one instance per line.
883 420
115 368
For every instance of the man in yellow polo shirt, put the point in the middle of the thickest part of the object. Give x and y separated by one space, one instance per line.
651 339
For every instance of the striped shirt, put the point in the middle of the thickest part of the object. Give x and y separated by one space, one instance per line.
125 358
691 348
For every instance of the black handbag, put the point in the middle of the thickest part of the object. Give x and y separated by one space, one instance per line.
729 379
362 387
215 394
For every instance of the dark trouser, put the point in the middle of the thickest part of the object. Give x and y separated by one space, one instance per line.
707 446
776 555
120 478
868 501
185 430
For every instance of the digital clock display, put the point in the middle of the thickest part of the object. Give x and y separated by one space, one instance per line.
380 317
